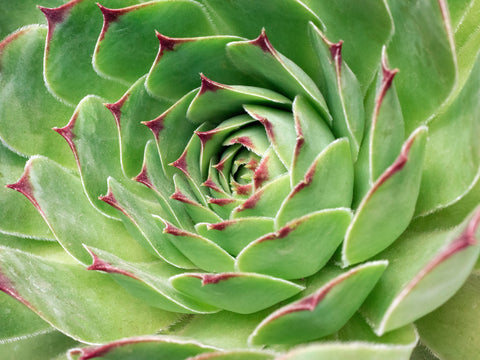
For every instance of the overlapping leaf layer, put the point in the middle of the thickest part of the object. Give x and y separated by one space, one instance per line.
277 179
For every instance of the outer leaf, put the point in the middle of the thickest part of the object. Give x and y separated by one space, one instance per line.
429 268
422 29
382 215
322 313
82 224
451 331
25 126
72 33
134 28
461 156
72 308
144 348
243 293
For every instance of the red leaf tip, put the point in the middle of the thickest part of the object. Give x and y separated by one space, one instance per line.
262 42
209 85
143 178
156 125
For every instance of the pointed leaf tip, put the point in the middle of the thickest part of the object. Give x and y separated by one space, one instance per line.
156 125
262 42
101 265
116 108
56 15
209 85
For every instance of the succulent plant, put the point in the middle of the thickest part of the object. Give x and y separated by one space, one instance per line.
239 180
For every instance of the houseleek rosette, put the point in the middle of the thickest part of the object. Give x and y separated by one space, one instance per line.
267 188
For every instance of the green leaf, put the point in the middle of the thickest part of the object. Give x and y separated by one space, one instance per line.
25 126
341 89
451 331
134 28
352 22
234 235
138 219
285 253
148 282
328 183
323 312
81 224
313 136
180 60
461 156
18 217
143 348
258 58
426 269
427 76
73 31
72 308
382 215
219 101
135 106
243 293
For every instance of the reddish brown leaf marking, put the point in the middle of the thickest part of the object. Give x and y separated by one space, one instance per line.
311 302
156 125
263 43
397 165
250 202
7 287
215 278
221 225
112 201
307 180
181 163
206 135
102 350
300 138
110 16
221 202
242 189
24 187
387 80
143 177
178 195
266 124
167 44
101 265
172 230
280 234
209 85
116 108
261 173
243 140
212 185
220 165
56 16
466 239
67 133
252 164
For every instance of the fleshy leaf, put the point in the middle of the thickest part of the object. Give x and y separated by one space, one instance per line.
328 183
134 28
323 312
259 58
180 60
72 308
429 267
135 106
218 101
25 126
313 136
142 348
243 293
138 219
382 215
451 331
284 253
423 30
461 156
148 282
72 33
82 224
342 91
234 235
202 252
